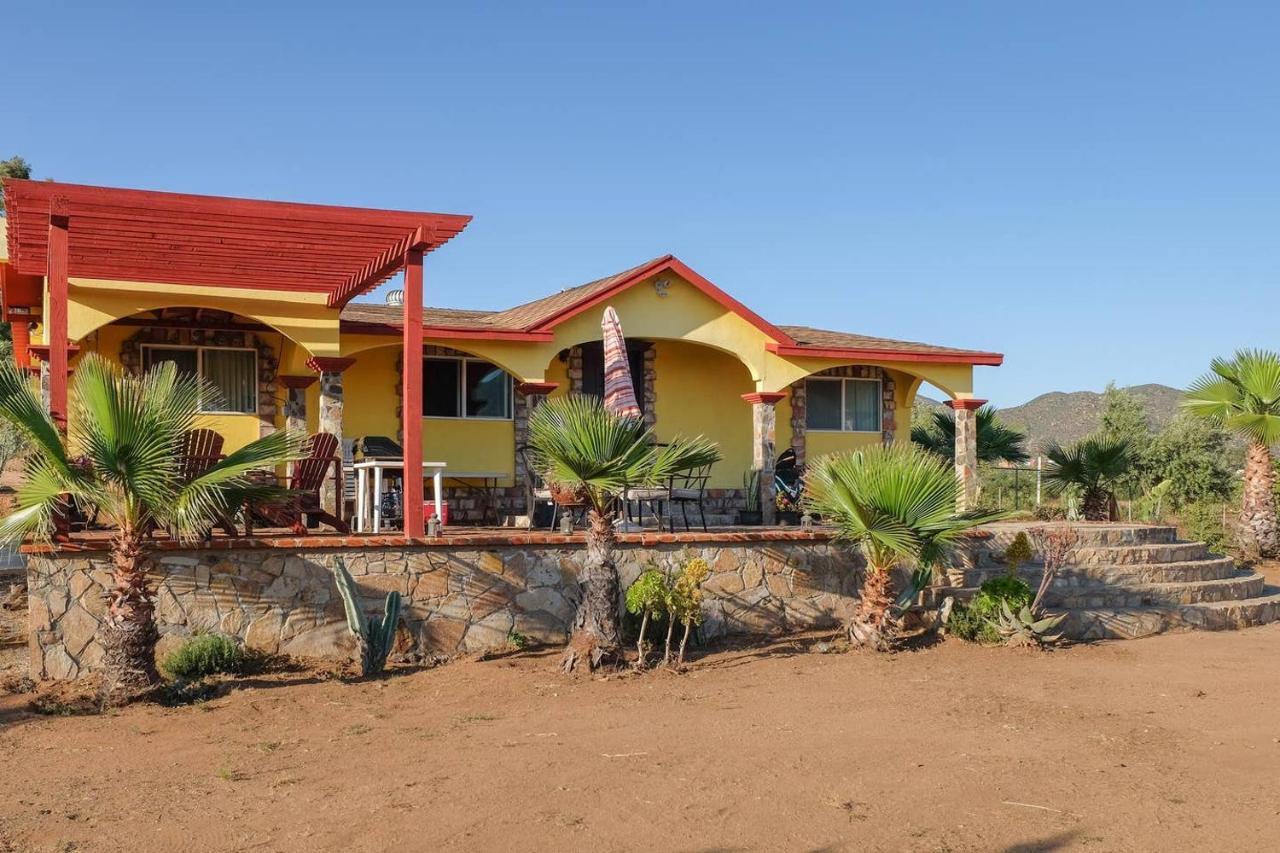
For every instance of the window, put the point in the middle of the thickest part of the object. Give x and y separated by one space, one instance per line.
843 405
593 368
464 388
233 373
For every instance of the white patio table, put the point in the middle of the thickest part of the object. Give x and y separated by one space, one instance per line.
366 513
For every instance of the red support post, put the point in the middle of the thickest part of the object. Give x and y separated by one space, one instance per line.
411 395
57 319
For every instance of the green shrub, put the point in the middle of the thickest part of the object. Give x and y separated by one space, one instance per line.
1049 512
1203 522
977 620
205 654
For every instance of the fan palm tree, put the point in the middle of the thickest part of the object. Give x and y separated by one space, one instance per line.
896 504
1242 395
1092 465
579 445
122 456
996 442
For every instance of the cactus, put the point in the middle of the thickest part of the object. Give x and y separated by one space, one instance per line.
375 636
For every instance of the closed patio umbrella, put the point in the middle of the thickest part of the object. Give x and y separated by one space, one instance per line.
619 395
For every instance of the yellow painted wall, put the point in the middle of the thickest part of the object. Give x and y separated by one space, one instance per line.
699 392
370 402
821 443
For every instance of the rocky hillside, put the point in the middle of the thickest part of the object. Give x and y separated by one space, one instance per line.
1067 416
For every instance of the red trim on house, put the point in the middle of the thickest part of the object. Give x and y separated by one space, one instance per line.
967 405
672 264
296 381
770 397
325 364
542 388
41 351
992 359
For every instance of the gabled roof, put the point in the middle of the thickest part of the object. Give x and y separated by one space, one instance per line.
176 238
536 321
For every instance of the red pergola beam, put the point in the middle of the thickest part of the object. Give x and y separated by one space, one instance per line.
411 394
178 238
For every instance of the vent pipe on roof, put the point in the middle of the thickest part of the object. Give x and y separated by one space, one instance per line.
395 298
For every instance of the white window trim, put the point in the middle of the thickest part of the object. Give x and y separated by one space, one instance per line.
879 383
200 350
462 390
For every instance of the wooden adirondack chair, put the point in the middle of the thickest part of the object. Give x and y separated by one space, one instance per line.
201 450
309 473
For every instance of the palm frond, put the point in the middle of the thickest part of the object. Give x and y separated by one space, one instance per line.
21 406
576 442
1091 463
897 502
996 442
1241 394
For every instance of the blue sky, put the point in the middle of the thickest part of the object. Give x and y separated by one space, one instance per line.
1090 188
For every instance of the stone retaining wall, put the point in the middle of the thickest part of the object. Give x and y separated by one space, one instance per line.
458 598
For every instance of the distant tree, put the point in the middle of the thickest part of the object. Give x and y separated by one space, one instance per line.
1124 419
1242 395
1194 457
14 167
996 442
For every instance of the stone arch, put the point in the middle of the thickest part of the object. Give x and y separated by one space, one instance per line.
888 407
181 326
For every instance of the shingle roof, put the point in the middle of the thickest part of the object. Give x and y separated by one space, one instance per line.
535 313
824 339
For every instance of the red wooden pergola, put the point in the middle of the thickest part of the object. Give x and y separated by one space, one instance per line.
61 230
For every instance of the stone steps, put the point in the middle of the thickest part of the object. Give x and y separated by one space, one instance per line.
1127 555
1244 585
1213 568
1090 535
1131 623
1127 581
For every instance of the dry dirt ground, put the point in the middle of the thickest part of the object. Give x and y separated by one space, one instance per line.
1171 743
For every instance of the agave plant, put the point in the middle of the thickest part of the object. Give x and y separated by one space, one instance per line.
578 444
122 456
996 442
1242 395
1025 629
897 504
1093 465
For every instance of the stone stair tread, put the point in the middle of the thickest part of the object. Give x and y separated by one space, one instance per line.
1136 622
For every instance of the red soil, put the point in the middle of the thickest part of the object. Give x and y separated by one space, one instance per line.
1160 744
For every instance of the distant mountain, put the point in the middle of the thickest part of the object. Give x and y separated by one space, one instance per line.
1067 416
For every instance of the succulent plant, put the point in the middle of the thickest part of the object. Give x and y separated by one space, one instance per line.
1018 552
375 636
1024 629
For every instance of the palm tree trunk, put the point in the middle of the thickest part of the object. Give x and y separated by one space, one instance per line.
129 635
1258 506
1096 505
873 625
596 638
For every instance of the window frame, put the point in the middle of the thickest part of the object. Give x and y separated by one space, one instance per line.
199 350
844 393
462 390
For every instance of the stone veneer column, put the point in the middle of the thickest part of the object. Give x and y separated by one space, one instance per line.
330 370
764 434
966 451
295 402
529 395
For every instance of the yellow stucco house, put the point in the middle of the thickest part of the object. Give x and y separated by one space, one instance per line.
702 361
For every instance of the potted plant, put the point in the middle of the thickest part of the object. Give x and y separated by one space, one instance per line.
750 513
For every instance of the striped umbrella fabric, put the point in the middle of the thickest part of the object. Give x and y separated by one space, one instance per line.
619 395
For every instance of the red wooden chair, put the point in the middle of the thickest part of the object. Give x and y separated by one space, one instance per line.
305 483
